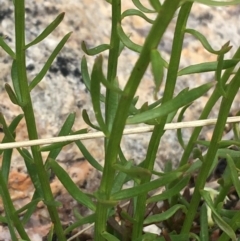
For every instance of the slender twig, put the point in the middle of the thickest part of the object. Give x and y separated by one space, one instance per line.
80 232
129 131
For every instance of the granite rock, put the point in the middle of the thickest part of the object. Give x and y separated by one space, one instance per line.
62 90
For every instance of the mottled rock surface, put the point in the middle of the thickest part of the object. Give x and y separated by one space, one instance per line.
62 90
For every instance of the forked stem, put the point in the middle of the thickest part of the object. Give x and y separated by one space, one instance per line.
152 41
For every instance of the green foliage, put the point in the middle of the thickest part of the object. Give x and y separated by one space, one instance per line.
114 108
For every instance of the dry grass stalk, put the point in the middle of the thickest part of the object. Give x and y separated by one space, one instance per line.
128 131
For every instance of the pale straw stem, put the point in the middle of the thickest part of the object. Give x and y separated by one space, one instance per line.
128 131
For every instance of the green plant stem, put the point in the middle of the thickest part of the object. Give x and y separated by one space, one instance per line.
139 69
10 212
211 102
207 109
29 115
217 135
222 194
111 96
159 129
20 49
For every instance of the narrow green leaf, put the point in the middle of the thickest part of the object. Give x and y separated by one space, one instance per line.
30 209
157 69
168 167
32 171
194 236
7 49
123 159
146 187
203 143
134 171
87 155
171 116
151 237
152 107
144 107
49 29
96 50
33 203
194 166
225 151
7 132
8 208
233 174
127 217
139 5
133 110
88 122
228 143
14 221
65 130
207 67
169 119
71 187
53 203
179 131
120 178
135 12
88 219
112 100
95 93
205 43
155 104
121 48
85 73
197 154
3 220
225 212
62 144
11 94
156 4
15 81
110 86
236 130
226 48
50 233
54 146
47 65
165 215
135 100
109 237
86 77
216 3
220 222
204 235
218 75
170 192
182 99
76 214
6 164
214 164
12 127
126 40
